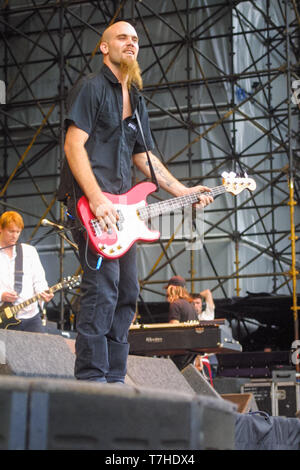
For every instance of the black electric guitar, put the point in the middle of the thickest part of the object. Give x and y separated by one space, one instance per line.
8 311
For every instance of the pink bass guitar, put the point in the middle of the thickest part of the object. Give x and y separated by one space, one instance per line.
134 212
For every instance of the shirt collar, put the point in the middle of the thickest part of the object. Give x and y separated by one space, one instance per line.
112 78
109 75
135 94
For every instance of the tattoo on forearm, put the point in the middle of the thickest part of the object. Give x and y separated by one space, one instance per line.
162 172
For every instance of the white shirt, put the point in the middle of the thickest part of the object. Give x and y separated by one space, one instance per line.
34 280
207 314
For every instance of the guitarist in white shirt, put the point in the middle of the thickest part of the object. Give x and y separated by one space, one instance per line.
33 278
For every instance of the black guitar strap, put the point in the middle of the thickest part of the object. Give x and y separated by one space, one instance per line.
153 176
19 268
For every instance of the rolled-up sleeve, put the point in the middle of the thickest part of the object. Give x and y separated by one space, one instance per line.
82 106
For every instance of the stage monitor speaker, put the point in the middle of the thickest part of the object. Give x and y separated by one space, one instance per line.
198 383
13 411
35 355
62 414
88 416
158 373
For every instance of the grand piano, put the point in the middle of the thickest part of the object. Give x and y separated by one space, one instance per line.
167 339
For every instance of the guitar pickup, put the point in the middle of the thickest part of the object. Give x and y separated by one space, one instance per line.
119 223
95 226
8 313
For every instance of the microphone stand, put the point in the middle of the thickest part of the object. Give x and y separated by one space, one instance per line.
62 295
72 244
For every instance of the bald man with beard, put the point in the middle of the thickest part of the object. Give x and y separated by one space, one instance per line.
102 141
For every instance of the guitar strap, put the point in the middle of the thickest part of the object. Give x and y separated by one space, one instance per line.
153 176
18 268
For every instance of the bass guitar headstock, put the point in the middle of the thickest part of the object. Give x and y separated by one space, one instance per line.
236 184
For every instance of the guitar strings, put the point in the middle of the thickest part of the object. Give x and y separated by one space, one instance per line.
160 207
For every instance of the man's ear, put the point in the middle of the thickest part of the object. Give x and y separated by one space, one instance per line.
104 47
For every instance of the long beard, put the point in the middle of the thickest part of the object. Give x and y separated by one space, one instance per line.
132 71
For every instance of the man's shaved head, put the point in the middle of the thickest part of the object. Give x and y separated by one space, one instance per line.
117 27
119 46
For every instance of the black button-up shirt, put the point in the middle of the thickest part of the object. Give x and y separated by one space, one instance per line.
96 106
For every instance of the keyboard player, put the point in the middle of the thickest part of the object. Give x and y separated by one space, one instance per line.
181 309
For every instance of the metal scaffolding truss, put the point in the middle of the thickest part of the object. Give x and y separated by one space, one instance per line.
220 80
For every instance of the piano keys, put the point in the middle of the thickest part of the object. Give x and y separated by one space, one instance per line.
167 339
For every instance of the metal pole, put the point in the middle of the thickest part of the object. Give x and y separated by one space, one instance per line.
293 271
61 143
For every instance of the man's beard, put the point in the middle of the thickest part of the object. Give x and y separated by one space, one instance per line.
131 69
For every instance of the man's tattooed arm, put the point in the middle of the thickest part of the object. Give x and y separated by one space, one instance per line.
165 179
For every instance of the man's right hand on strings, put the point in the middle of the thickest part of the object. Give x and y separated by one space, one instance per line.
105 212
